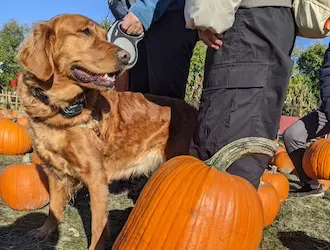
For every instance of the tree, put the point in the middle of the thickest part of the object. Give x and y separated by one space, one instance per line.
11 35
303 93
299 99
106 22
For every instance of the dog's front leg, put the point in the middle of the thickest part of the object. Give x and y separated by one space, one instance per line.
98 191
58 192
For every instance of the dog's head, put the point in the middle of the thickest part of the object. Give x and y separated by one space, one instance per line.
72 49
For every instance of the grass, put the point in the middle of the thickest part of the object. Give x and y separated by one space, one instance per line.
302 223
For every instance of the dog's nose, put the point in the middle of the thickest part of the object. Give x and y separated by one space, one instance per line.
123 56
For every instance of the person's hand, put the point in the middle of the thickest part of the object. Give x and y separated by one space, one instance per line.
210 39
131 25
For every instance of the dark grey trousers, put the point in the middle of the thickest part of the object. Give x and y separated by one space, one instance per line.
313 125
245 84
164 57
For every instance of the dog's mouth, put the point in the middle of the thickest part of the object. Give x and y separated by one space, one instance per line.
86 76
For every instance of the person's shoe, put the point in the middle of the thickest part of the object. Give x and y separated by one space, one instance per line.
308 191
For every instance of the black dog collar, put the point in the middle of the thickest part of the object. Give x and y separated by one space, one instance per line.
69 112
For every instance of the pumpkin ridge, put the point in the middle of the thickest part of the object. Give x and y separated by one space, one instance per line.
149 215
201 180
140 204
319 154
214 223
318 148
21 175
230 182
1 139
248 217
229 214
159 218
195 241
19 141
190 176
255 232
325 154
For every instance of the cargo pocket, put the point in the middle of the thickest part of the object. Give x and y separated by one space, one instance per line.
230 104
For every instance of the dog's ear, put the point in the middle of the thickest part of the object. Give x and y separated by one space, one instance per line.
35 53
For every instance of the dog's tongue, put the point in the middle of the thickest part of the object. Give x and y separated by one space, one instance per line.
85 76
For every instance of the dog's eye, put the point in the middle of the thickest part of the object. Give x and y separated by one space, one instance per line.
86 31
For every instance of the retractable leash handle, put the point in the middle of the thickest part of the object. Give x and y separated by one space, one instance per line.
127 42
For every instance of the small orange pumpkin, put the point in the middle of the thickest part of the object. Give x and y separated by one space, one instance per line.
14 139
35 158
280 149
283 162
278 181
4 113
24 187
325 183
316 160
270 202
188 205
23 121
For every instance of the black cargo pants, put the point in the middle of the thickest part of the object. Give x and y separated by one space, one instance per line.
245 84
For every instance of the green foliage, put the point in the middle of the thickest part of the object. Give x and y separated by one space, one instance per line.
300 99
310 60
196 75
11 35
105 22
303 93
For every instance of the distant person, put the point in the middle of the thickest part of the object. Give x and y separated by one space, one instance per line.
314 124
164 53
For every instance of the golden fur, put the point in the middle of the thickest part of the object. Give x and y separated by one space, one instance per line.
117 134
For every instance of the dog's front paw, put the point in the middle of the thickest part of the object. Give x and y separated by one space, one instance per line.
39 233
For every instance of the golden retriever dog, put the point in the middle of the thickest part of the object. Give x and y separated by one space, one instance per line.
83 130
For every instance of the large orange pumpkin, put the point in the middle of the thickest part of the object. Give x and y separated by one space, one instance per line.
278 181
270 202
24 187
14 139
316 160
188 205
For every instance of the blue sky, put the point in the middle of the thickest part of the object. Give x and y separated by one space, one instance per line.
29 11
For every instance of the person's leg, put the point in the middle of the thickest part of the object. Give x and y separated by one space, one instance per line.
244 86
138 75
169 47
295 137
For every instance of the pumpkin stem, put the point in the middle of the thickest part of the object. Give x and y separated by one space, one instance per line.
241 147
273 169
26 158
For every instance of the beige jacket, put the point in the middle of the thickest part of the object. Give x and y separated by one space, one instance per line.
219 15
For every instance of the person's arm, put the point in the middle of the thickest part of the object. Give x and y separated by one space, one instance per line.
118 9
144 10
213 15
